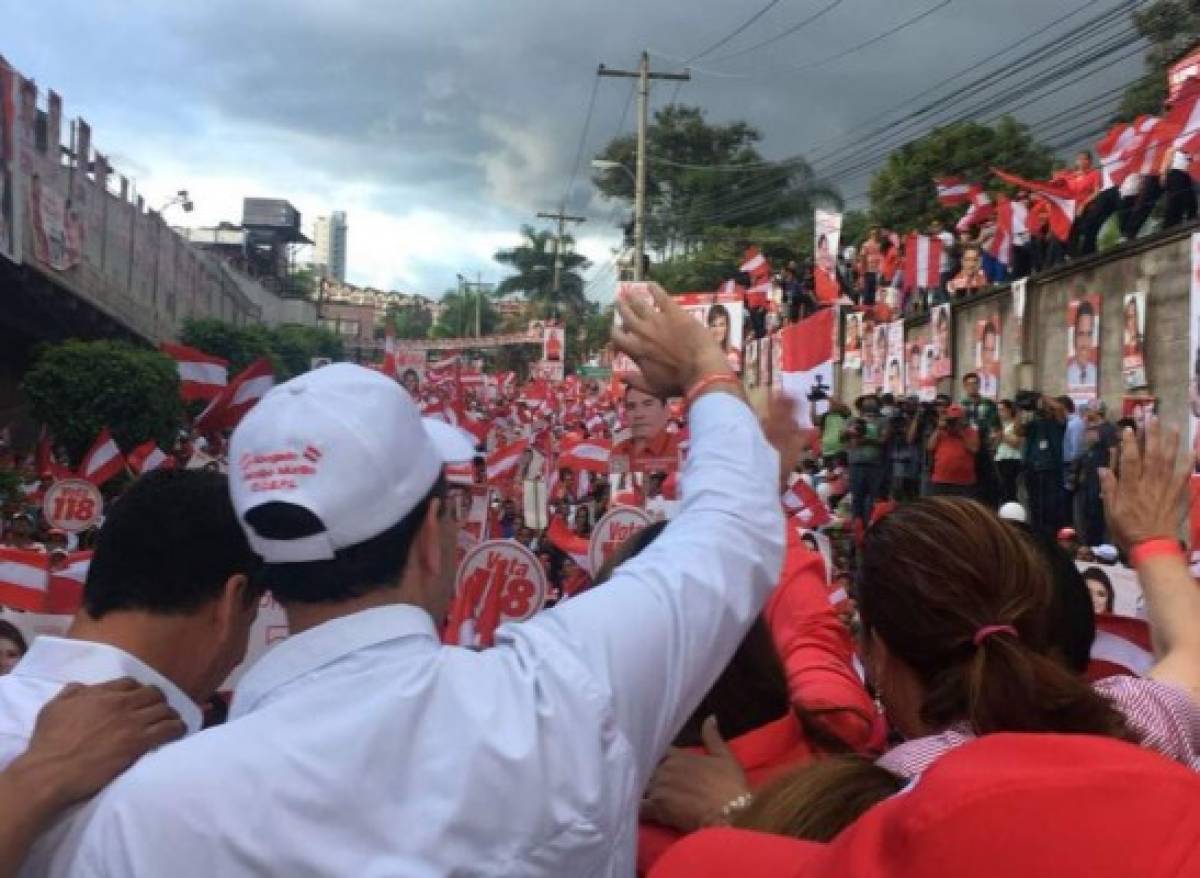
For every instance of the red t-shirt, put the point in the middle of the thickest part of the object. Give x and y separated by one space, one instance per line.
953 464
1083 185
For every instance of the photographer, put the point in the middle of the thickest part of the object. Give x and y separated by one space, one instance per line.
904 450
953 445
864 435
920 429
832 423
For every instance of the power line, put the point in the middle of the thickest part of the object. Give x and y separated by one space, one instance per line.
904 25
735 32
787 32
587 122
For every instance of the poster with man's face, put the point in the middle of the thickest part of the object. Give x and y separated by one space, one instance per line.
915 344
1083 348
852 348
987 355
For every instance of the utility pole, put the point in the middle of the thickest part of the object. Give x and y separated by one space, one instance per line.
478 287
643 74
562 218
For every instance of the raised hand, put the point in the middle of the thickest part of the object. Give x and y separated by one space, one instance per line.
1147 501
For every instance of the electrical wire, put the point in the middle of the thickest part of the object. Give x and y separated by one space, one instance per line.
587 123
904 25
735 32
787 32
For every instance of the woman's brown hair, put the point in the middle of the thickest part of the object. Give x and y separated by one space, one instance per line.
937 571
819 800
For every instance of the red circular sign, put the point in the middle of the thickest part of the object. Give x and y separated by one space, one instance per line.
73 505
618 525
510 567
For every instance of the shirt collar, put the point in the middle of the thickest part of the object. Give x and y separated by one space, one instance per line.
309 650
67 660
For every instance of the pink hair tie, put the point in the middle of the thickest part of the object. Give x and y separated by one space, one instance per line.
988 630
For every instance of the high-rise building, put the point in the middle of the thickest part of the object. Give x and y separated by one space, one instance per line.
329 252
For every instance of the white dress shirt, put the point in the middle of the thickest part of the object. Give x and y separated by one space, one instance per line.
50 664
364 747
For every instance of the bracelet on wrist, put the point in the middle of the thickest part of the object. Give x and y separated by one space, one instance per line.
735 806
707 381
1157 547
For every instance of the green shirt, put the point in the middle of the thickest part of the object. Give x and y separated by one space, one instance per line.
831 433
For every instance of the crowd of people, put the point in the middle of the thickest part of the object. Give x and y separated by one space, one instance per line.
902 689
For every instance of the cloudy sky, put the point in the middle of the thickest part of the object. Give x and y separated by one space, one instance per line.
441 126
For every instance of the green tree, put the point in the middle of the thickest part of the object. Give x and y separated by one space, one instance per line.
295 347
1172 28
532 264
458 317
240 345
77 388
903 196
702 175
722 250
409 320
301 283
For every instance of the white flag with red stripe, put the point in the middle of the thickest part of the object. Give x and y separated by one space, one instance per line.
502 463
1011 218
1122 646
201 375
23 579
922 261
389 353
755 265
591 455
569 542
242 394
980 211
804 504
1059 198
953 191
64 593
146 457
807 360
103 461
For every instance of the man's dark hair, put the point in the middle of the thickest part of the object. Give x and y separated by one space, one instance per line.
629 387
970 376
1085 309
1067 403
168 546
357 570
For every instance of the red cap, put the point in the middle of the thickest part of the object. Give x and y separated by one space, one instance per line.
954 411
1067 533
1032 804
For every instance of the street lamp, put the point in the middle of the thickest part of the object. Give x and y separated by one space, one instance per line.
639 212
182 199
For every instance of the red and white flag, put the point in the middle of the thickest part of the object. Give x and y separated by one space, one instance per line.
389 353
756 265
591 455
1057 195
1011 221
922 261
103 461
23 579
502 463
64 594
146 457
201 375
953 191
464 420
1122 647
569 542
805 505
980 211
807 360
242 394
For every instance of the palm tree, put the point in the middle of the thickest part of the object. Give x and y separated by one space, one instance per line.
532 262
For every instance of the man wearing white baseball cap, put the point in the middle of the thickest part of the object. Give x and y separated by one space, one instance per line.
361 745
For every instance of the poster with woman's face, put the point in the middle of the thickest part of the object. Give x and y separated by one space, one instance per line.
915 344
852 352
868 354
941 325
1083 348
1133 340
987 355
893 378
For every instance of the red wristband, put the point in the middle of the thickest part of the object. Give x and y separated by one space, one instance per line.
1154 548
706 382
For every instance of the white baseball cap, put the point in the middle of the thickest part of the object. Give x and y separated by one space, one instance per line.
345 443
1012 512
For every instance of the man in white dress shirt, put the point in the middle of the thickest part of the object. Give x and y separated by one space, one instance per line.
167 602
363 746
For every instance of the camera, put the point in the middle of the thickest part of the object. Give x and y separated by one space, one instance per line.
819 391
1027 400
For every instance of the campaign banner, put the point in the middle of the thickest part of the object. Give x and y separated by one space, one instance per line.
916 371
807 362
10 199
1133 341
869 368
1019 296
987 355
750 367
893 375
1083 348
57 237
617 525
546 370
942 324
498 581
827 232
852 341
474 343
724 314
875 359
554 344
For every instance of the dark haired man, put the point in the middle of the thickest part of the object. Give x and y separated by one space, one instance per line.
361 745
168 602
